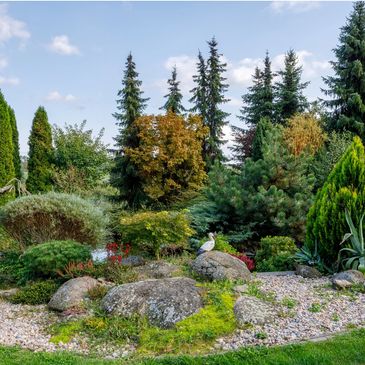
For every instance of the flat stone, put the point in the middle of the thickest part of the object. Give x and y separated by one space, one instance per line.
307 272
347 279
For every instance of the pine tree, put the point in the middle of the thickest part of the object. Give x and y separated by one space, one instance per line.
131 104
6 150
215 118
41 154
267 98
174 97
15 137
199 98
343 189
289 90
347 86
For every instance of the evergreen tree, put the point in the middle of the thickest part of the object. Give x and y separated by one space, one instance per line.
347 87
15 137
131 104
215 118
7 171
267 98
343 189
289 90
174 97
41 154
259 139
199 98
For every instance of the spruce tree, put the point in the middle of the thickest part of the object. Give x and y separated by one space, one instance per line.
215 118
199 98
41 154
289 90
6 150
343 189
174 97
347 87
131 104
15 138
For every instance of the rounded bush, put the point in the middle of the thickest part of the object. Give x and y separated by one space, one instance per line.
53 216
35 293
46 259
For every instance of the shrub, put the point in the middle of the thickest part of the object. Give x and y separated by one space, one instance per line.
250 263
343 189
46 259
53 216
153 231
97 292
275 254
11 269
222 244
36 293
77 269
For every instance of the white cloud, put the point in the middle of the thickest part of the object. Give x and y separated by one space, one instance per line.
3 62
242 72
10 27
61 45
13 81
56 96
293 6
234 101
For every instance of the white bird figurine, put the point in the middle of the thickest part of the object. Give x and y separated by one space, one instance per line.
207 246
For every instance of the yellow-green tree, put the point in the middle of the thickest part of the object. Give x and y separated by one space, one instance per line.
304 133
169 156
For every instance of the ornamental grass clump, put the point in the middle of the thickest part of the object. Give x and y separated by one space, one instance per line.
53 216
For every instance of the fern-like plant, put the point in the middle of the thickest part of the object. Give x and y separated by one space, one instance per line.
356 252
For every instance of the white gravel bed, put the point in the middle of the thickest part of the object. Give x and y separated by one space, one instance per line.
333 312
27 326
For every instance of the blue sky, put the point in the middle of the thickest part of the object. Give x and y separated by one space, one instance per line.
69 56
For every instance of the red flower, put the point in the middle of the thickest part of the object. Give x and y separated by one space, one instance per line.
250 263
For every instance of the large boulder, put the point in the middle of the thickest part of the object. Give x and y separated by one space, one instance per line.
157 270
133 261
164 301
307 272
346 279
72 293
251 310
216 265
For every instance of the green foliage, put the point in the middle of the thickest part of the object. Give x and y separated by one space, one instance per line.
222 244
53 216
6 242
289 90
64 332
356 252
263 127
41 154
79 156
39 292
152 231
11 269
97 292
345 87
174 97
270 196
15 139
131 104
307 256
275 254
7 171
46 259
343 189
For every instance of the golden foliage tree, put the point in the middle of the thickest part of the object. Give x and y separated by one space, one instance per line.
169 156
304 132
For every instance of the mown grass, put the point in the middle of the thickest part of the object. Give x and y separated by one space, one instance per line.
346 349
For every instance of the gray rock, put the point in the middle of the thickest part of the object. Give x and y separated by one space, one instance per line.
72 293
347 279
133 261
216 265
307 272
164 302
253 310
157 270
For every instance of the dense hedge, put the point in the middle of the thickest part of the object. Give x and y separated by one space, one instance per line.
53 216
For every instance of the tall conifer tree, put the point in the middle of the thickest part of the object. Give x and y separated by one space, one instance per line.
347 87
289 90
131 104
174 97
216 117
41 154
6 150
15 138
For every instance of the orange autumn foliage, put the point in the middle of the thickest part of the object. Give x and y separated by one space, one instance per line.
169 156
304 133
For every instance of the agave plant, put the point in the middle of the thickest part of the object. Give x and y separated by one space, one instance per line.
356 251
311 258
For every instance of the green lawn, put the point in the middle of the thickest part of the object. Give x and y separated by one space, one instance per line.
346 349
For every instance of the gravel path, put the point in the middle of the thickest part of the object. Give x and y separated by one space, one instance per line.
315 310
